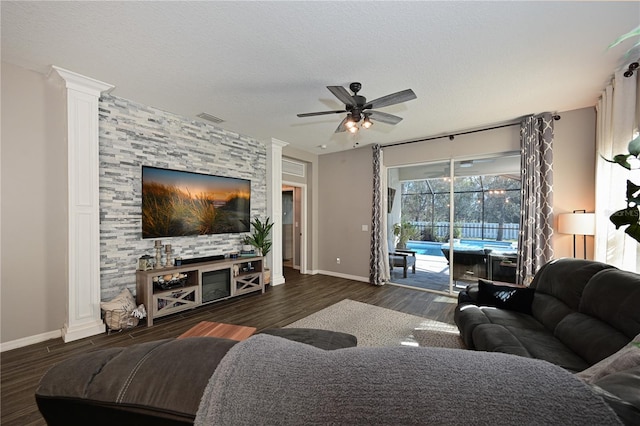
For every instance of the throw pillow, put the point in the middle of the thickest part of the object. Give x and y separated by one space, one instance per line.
505 297
117 312
626 358
123 301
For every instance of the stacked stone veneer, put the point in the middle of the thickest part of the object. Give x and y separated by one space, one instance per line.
133 135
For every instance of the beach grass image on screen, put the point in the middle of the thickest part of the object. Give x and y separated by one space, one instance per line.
178 203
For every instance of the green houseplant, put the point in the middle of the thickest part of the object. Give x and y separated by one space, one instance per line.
259 239
260 236
629 216
403 232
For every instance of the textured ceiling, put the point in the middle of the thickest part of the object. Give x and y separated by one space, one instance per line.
256 64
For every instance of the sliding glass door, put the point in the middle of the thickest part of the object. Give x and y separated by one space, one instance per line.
463 218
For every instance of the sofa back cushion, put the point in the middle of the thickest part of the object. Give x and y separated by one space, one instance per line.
613 296
592 339
548 310
566 278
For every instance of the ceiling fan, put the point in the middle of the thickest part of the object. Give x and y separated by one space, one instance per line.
357 107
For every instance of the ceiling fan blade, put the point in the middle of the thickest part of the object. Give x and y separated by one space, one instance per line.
383 117
392 99
342 94
310 114
341 127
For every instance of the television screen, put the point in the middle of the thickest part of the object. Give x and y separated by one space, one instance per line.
177 203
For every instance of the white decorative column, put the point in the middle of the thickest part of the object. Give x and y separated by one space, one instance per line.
83 308
274 207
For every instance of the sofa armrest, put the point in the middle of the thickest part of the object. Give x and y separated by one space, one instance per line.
152 383
469 295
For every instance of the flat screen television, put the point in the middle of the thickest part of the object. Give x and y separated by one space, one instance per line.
178 203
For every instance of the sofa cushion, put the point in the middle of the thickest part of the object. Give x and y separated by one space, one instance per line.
614 297
566 278
505 297
625 384
549 310
592 339
625 358
539 344
620 391
468 316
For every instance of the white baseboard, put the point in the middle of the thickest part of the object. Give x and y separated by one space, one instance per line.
346 276
26 341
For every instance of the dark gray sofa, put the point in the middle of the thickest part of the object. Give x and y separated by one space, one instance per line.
269 380
575 313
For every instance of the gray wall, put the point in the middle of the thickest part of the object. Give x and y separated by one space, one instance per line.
345 197
34 205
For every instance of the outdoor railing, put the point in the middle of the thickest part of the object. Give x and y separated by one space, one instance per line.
439 231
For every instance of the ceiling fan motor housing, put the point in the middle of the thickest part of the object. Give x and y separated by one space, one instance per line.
356 110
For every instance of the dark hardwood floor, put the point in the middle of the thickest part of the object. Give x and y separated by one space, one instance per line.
302 295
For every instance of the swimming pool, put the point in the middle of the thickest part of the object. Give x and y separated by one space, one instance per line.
433 248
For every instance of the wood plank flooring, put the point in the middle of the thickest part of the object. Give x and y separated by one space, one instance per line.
301 295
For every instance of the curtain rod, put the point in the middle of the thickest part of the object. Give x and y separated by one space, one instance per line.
556 117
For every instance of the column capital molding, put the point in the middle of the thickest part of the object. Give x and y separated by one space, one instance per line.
81 83
276 143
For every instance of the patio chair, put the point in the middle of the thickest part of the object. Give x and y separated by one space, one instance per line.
403 259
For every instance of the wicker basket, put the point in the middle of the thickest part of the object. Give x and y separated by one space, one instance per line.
119 319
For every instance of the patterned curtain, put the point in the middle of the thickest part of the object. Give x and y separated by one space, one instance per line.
379 256
536 199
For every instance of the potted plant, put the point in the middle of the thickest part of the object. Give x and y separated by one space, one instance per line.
246 243
629 216
403 232
261 241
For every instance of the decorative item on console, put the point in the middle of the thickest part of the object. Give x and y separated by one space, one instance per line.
167 250
168 281
158 246
145 263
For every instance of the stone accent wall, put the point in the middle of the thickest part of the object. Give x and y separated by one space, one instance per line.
133 135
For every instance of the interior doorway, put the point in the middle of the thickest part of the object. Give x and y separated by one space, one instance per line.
293 226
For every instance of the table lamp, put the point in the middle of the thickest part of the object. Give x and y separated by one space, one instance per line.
577 223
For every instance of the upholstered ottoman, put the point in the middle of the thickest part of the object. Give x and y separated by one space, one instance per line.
152 383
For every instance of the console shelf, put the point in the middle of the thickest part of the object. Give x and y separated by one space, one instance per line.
166 291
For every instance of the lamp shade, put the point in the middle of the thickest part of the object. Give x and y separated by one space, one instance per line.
577 223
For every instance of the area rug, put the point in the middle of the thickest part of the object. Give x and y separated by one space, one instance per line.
376 326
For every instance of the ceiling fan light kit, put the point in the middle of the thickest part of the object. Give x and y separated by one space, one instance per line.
358 109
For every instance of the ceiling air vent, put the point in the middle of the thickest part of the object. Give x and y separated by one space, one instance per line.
209 117
293 168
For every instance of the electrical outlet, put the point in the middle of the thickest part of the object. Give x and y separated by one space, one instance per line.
338 260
